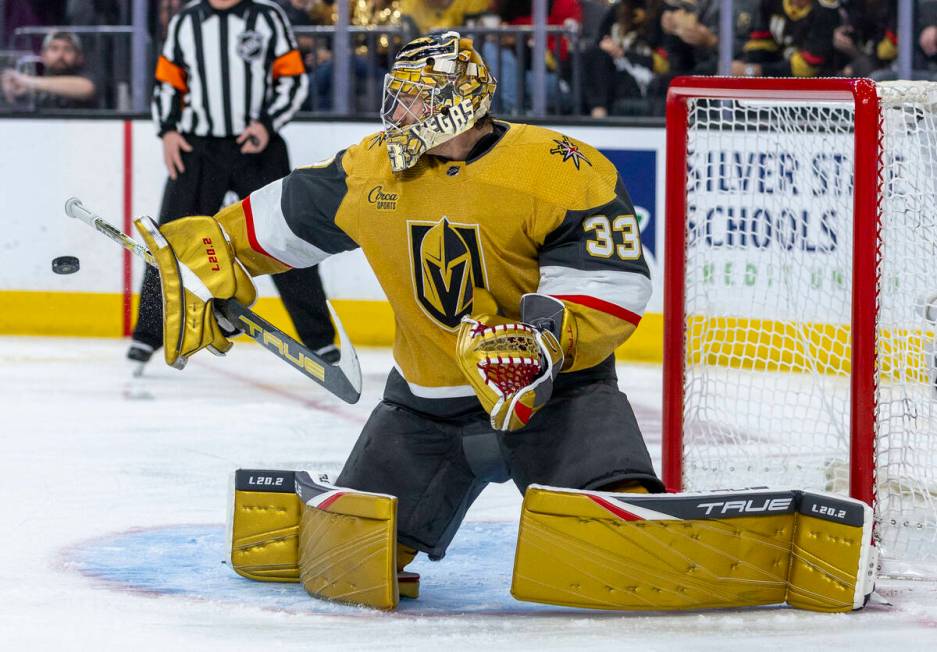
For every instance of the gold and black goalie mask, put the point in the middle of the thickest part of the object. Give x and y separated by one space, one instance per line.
438 88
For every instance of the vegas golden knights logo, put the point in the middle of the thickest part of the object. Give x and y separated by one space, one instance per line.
447 263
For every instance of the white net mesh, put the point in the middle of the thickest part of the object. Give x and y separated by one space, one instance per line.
768 304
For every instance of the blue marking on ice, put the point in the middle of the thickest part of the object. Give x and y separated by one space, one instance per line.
186 561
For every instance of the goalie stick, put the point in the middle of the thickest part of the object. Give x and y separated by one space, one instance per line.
342 379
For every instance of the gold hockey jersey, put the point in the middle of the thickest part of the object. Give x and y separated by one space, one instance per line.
533 211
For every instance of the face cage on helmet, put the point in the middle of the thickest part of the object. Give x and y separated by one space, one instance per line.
401 102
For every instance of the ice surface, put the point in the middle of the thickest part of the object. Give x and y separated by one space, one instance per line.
114 495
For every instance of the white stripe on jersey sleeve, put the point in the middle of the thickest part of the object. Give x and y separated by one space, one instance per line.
273 234
628 290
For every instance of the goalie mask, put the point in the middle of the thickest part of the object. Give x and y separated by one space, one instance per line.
438 88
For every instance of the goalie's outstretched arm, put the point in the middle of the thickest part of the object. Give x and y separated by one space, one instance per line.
288 223
292 222
205 261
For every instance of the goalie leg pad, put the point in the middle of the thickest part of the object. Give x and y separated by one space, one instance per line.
833 561
623 551
348 544
265 526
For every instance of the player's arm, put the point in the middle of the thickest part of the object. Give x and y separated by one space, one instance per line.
171 81
291 222
594 264
290 84
288 223
73 87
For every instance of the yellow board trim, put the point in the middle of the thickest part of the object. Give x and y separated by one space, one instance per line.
368 323
759 345
60 314
776 346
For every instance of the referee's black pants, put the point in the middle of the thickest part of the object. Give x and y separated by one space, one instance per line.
212 168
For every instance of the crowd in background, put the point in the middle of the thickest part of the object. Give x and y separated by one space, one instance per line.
610 58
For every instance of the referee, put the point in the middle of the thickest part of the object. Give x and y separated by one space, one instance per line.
229 78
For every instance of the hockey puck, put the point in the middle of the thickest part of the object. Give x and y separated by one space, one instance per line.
65 265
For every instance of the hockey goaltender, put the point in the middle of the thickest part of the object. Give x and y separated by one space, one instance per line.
512 258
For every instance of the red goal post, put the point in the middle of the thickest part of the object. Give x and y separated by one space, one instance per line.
726 138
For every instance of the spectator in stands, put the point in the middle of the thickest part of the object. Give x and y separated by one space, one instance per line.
791 38
689 40
688 35
865 41
928 45
622 64
506 67
924 53
424 16
63 84
317 53
106 55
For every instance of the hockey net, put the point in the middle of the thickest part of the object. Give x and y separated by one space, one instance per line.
801 262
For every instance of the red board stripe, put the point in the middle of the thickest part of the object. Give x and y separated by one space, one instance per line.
127 268
615 509
601 306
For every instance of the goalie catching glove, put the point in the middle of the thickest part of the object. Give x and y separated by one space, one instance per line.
196 265
511 365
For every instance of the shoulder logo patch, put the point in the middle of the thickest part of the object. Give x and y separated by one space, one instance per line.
569 151
377 139
250 45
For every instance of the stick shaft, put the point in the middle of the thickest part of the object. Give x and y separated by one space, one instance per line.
344 383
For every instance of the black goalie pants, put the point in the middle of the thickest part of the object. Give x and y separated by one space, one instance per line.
214 167
585 438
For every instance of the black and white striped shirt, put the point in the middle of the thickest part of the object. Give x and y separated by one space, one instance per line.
222 69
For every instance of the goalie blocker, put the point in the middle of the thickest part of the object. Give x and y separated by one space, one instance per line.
589 549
